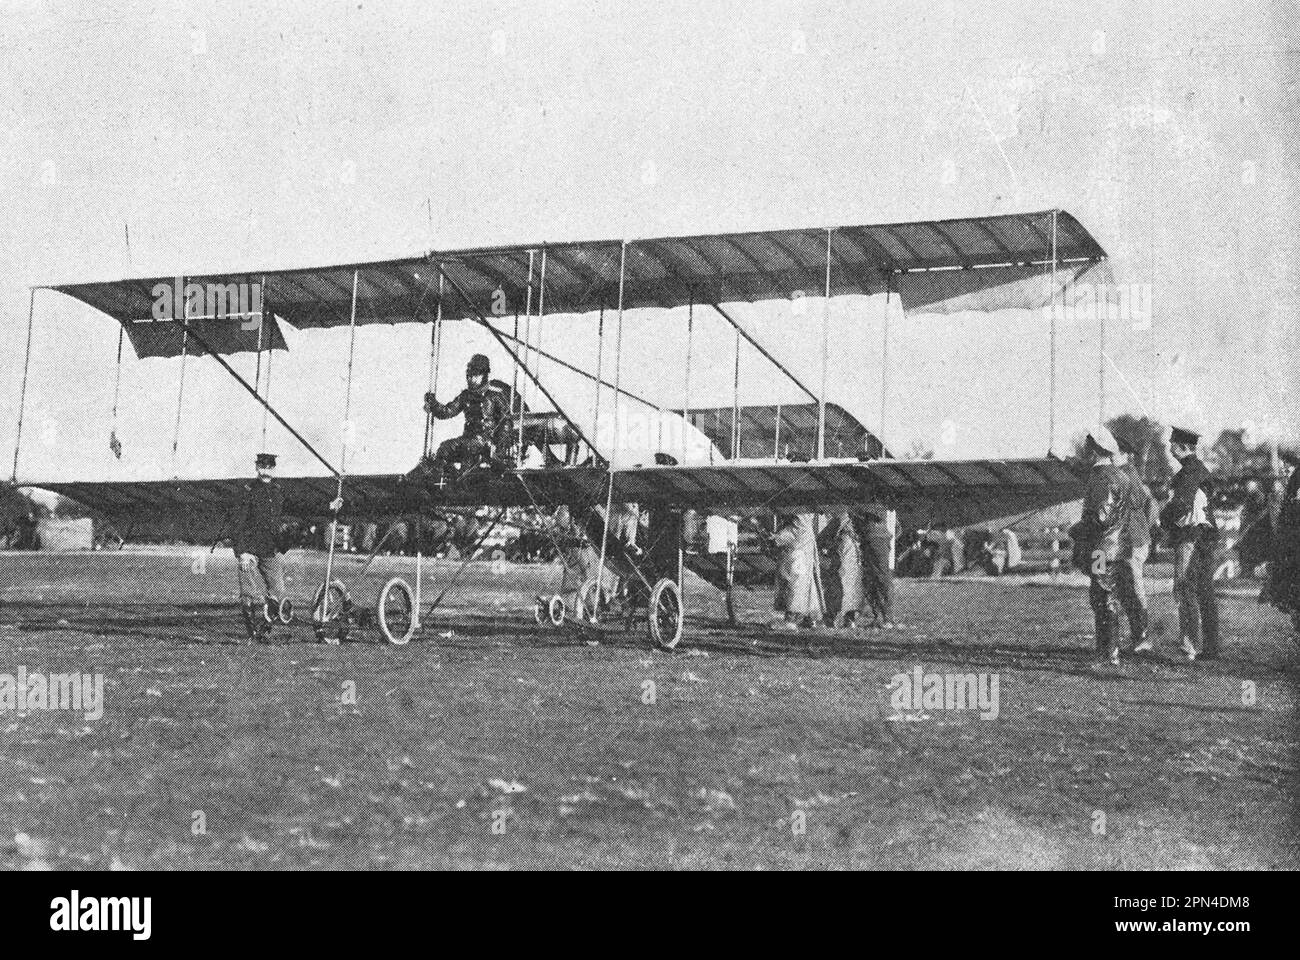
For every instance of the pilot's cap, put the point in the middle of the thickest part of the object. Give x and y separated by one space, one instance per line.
1183 436
1101 439
265 460
478 364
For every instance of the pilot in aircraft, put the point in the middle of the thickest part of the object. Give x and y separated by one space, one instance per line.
485 406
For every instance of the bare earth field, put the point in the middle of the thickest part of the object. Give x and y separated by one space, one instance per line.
492 742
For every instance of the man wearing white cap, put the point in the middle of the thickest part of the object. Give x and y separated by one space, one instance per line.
1105 515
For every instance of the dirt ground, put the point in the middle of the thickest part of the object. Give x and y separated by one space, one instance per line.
492 742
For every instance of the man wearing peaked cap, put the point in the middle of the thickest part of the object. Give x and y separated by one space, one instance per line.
256 527
1188 518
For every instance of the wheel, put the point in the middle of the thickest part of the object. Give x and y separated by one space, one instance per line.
665 614
539 611
331 611
285 611
395 611
555 611
268 611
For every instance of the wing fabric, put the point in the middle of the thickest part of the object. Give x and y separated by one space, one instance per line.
944 493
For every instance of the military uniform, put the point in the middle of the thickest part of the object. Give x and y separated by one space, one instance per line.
256 526
1189 519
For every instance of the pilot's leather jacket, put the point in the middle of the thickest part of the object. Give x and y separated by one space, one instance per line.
485 409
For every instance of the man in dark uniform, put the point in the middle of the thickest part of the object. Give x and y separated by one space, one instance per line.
256 541
1283 588
1189 520
877 578
1106 504
485 406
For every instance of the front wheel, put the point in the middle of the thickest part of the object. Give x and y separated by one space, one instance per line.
329 609
665 614
395 611
555 610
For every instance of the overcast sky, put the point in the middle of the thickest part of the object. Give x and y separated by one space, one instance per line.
260 136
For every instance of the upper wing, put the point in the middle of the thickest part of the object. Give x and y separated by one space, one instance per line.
934 266
944 493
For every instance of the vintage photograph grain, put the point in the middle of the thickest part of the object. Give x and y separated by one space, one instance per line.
627 436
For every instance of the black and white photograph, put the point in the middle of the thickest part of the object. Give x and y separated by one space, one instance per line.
610 436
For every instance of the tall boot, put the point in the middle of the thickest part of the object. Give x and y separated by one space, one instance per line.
1137 626
1111 652
251 616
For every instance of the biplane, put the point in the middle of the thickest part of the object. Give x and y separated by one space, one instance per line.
550 457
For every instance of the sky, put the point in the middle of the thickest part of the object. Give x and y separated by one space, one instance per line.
258 136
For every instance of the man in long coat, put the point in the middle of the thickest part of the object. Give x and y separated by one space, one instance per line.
844 594
798 574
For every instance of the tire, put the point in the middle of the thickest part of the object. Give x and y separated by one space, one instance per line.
555 611
395 612
665 614
331 612
268 611
285 612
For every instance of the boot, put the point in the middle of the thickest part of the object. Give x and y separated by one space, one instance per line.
1138 631
251 616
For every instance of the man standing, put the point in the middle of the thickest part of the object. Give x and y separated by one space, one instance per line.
845 550
1134 547
798 575
485 406
877 577
1105 516
1256 544
256 526
1190 523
